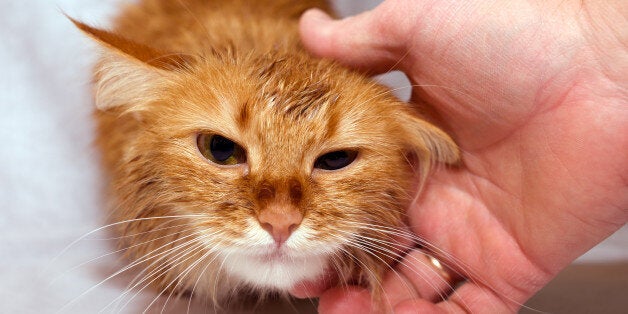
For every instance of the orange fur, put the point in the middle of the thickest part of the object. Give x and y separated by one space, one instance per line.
173 69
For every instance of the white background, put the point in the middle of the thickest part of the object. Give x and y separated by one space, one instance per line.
49 180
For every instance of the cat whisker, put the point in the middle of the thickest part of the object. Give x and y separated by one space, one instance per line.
164 254
135 263
73 268
175 281
126 268
456 90
399 232
355 258
391 90
341 267
198 279
336 266
418 240
135 282
399 258
469 273
375 278
183 249
113 225
183 274
216 279
146 232
369 245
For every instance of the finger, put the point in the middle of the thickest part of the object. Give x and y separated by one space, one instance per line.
468 298
431 282
358 41
345 300
417 277
474 298
413 306
397 287
311 289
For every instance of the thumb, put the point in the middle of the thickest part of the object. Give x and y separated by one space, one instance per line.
358 41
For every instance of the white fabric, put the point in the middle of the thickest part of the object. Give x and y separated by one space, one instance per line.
49 179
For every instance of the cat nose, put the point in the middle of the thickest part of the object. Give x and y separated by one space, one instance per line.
279 222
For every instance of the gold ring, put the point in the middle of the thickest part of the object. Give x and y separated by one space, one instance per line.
441 269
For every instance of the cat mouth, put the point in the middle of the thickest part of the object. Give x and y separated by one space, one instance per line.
277 268
275 255
272 257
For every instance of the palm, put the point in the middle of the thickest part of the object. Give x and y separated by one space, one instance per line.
514 126
483 212
493 214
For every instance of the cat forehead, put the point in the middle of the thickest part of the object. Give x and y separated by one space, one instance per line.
274 99
291 86
296 103
296 91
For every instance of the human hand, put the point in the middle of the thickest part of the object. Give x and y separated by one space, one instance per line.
535 94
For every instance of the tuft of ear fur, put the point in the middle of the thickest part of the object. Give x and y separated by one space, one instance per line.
129 73
430 144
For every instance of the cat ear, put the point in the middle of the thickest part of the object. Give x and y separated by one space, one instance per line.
129 73
430 143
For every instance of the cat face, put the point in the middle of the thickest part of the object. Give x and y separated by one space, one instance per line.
273 168
314 164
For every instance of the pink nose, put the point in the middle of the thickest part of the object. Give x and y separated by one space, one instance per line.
279 222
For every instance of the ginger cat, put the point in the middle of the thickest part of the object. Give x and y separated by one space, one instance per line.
238 162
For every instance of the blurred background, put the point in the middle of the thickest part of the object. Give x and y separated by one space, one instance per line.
50 183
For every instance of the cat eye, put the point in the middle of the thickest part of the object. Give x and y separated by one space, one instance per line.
335 160
220 150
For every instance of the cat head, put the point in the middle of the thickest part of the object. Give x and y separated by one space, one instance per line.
276 167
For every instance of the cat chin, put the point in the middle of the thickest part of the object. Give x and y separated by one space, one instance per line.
266 266
275 271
